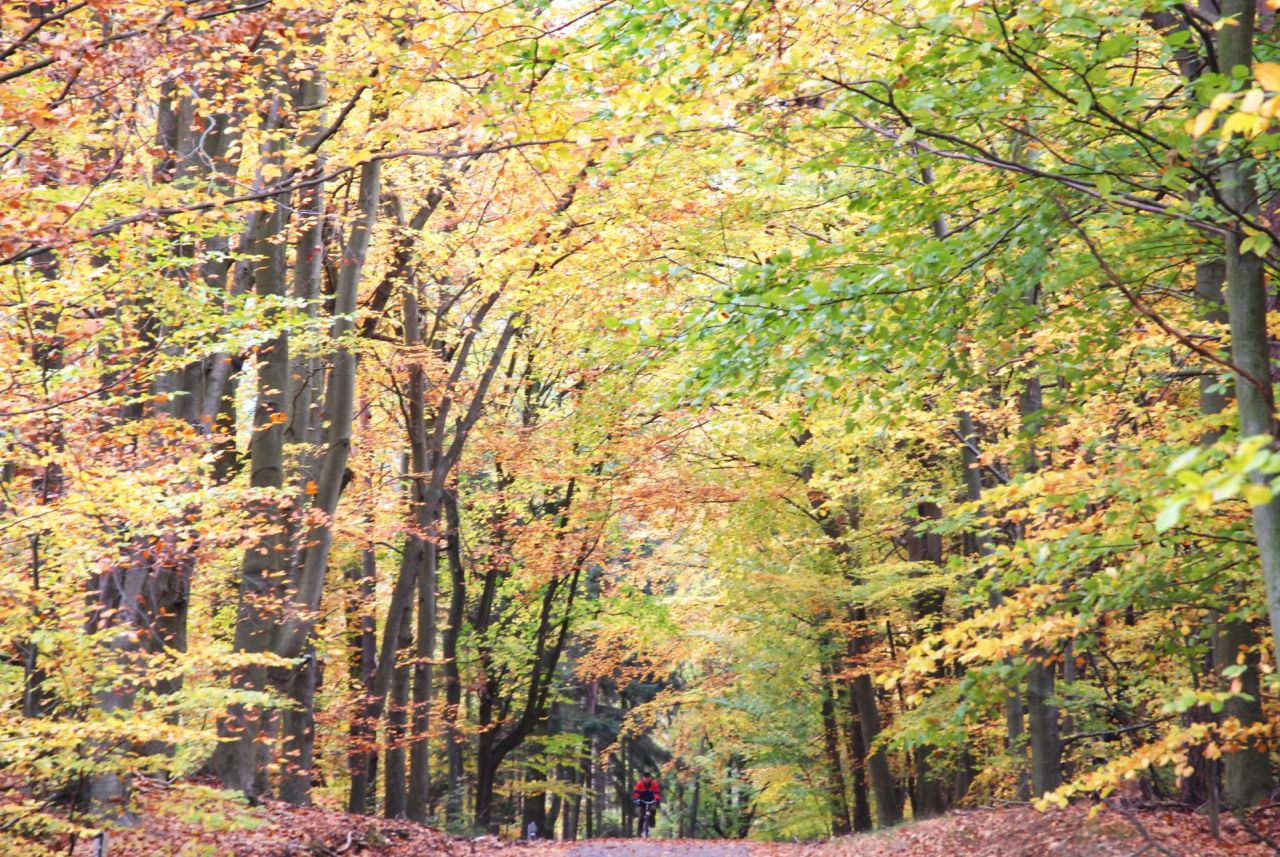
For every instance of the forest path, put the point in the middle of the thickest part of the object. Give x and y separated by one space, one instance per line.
988 832
677 848
661 848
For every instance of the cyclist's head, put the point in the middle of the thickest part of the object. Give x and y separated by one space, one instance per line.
648 775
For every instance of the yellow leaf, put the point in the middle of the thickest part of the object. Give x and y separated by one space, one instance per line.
1257 495
1252 101
1267 74
1242 123
1203 122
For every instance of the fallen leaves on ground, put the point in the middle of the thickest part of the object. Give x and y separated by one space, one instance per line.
185 821
1070 832
197 820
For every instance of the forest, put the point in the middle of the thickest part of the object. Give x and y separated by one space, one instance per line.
450 410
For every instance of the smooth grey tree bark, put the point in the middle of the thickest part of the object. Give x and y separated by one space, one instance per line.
1043 725
239 760
1247 311
303 438
1246 774
421 550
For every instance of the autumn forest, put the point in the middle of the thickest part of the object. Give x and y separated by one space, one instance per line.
850 412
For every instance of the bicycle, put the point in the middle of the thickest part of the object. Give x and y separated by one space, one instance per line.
647 817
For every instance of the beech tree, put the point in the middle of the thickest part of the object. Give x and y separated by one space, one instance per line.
451 411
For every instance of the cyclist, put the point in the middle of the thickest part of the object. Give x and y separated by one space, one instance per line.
647 795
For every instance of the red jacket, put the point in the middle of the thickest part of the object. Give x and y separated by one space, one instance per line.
647 789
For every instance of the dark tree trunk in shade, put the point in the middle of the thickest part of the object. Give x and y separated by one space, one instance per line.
419 764
883 787
362 655
929 797
1043 725
395 773
449 652
298 726
697 796
553 817
857 761
534 810
837 793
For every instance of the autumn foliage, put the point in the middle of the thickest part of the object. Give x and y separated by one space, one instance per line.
450 411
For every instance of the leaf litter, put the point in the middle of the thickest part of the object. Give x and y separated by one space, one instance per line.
183 821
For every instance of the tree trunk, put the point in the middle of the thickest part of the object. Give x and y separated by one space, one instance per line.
1042 713
449 652
888 810
534 810
432 492
553 817
395 802
858 761
1247 311
1042 719
595 812
929 798
293 633
238 759
572 808
297 727
362 646
697 794
1013 720
419 759
837 792
486 779
426 555
599 793
289 635
1247 773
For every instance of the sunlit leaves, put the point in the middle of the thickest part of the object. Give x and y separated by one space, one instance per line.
1208 477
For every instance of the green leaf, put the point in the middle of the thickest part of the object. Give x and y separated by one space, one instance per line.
1170 515
1258 244
1184 460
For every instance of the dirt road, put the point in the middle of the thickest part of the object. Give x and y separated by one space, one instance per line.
1008 832
658 847
661 848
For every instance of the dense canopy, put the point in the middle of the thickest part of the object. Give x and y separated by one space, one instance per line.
451 410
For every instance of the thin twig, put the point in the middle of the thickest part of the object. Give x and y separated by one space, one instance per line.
338 122
977 453
1102 733
39 25
1256 833
1142 307
1132 818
